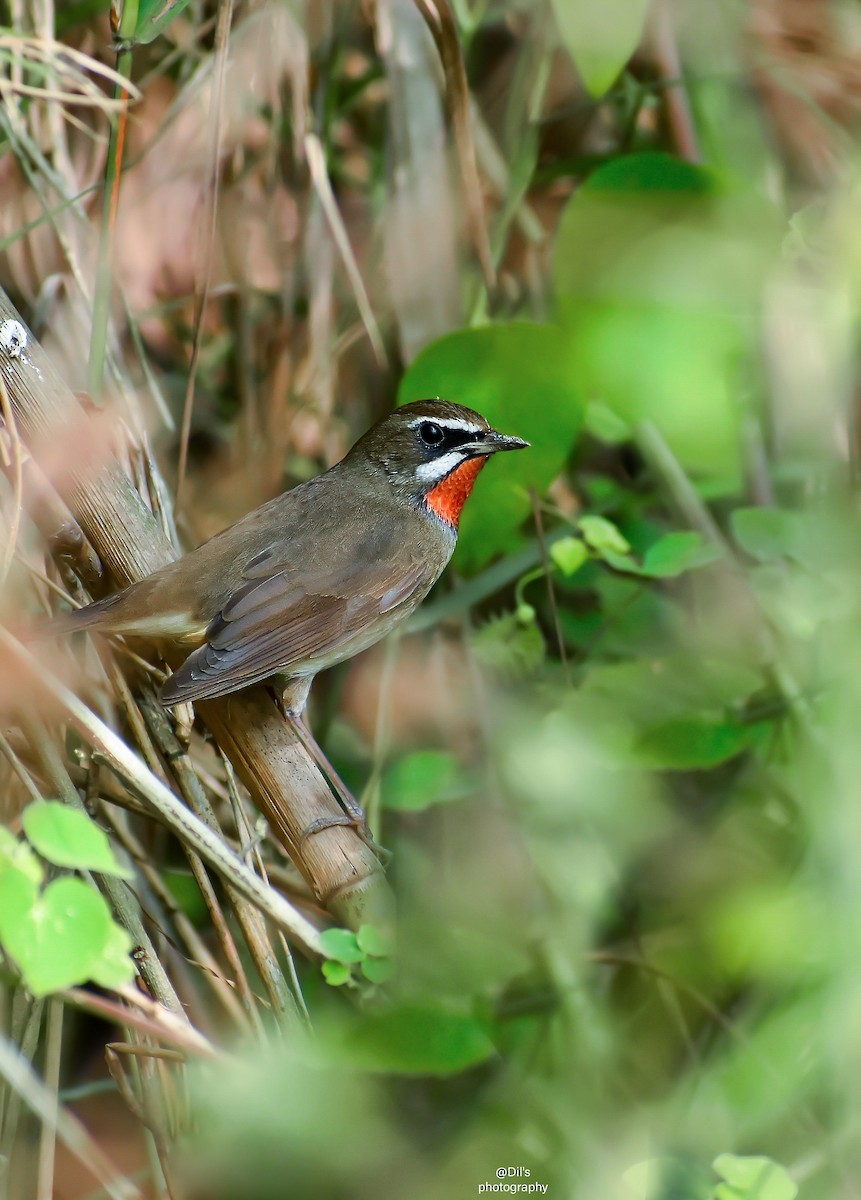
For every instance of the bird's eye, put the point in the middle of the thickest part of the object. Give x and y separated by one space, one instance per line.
431 433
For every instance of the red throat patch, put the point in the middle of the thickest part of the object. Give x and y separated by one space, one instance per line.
448 497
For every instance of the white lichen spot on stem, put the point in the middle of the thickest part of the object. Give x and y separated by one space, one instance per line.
13 339
13 343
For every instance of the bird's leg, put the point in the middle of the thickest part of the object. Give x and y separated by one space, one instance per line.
291 699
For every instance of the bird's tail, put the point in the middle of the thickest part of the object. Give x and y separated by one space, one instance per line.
99 613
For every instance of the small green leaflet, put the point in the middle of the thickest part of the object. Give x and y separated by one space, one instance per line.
569 554
676 553
600 37
373 941
421 780
19 857
113 967
70 838
752 1178
670 556
154 16
602 535
66 937
336 973
377 970
370 947
341 944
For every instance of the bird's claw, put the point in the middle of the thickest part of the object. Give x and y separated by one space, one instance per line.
356 819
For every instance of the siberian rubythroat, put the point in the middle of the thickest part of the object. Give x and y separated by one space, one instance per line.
322 571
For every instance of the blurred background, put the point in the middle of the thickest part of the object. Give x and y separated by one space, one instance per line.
616 756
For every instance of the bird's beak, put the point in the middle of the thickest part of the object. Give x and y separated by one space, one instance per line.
492 442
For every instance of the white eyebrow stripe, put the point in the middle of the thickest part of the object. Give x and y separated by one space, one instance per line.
438 468
448 423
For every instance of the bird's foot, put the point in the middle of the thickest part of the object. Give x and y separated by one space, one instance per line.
356 819
353 815
323 823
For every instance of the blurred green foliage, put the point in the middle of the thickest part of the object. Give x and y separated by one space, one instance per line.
601 42
626 956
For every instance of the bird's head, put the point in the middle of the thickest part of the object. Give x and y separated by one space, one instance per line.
432 451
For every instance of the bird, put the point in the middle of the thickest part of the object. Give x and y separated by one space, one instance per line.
319 573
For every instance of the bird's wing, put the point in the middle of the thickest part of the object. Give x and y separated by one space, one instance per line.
282 617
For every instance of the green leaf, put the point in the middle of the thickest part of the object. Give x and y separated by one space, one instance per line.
600 37
154 16
602 535
509 647
421 780
373 941
377 970
569 554
676 553
336 973
521 378
17 855
765 533
70 838
114 967
752 1178
621 562
688 744
342 945
62 938
18 893
418 1040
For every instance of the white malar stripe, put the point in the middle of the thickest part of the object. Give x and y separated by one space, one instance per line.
438 468
448 423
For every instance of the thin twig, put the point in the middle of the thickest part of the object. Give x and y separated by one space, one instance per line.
679 115
286 1003
151 789
25 1037
320 176
48 1137
197 800
141 1012
551 590
199 952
